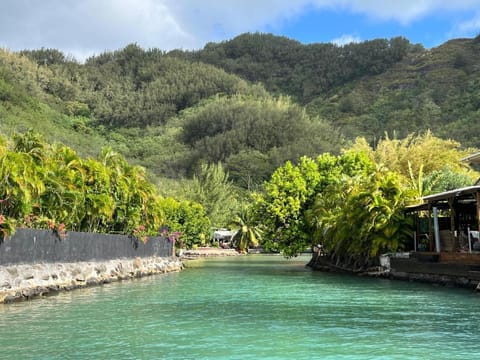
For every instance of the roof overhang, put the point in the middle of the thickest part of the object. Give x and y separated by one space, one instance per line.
474 158
452 193
440 200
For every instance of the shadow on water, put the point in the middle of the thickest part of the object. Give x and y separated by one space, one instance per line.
254 264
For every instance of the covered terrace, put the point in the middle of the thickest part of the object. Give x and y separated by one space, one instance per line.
448 221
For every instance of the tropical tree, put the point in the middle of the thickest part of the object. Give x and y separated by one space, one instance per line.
50 186
417 156
213 189
280 207
247 231
186 219
361 216
20 184
290 193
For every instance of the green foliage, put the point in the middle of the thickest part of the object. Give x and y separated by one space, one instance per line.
173 112
50 186
281 207
435 89
45 56
133 87
361 216
303 71
186 218
248 232
426 163
446 179
302 202
148 104
248 168
8 226
228 129
212 188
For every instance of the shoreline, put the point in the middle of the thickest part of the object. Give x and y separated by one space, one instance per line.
207 252
27 281
446 278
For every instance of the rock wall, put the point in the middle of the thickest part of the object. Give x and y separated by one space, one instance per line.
38 262
22 282
207 252
422 267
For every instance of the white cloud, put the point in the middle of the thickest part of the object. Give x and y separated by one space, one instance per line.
90 26
469 27
345 39
402 11
229 18
85 27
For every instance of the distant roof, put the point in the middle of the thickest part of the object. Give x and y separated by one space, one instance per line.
452 193
474 158
221 234
465 194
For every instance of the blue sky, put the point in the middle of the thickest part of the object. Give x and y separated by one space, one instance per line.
339 25
82 28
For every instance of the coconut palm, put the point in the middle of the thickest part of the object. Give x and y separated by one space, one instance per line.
248 232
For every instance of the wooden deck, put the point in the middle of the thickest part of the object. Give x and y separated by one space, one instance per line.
461 268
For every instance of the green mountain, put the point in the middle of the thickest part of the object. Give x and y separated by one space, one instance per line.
251 102
369 88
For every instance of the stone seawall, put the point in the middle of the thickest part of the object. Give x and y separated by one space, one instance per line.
207 252
22 282
418 268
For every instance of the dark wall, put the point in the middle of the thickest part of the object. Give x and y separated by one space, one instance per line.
29 246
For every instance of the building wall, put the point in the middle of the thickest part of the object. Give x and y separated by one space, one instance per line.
28 246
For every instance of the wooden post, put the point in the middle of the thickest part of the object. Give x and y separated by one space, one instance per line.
453 238
416 233
430 228
436 229
478 210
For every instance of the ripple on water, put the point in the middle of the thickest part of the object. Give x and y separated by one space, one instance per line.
254 307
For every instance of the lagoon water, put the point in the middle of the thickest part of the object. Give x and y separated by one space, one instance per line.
252 307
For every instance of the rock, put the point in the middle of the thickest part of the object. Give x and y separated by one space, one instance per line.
53 288
101 268
28 292
75 271
462 281
27 281
91 281
13 271
29 275
9 298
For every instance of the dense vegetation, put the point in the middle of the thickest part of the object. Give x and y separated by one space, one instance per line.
302 71
365 89
50 186
353 204
258 113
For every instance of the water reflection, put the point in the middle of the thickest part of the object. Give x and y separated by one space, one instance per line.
252 307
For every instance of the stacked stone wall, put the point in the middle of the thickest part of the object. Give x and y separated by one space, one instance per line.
39 262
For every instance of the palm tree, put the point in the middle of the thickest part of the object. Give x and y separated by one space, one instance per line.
248 233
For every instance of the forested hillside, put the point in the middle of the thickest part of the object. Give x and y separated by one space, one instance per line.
302 71
250 103
365 89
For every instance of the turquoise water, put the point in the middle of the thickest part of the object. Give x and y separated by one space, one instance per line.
253 307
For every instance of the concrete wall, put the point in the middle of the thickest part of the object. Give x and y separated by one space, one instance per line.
29 246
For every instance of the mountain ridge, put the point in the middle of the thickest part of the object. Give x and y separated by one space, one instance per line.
142 102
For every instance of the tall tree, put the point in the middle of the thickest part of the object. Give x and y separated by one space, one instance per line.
213 189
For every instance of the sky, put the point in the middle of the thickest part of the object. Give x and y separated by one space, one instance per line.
83 28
